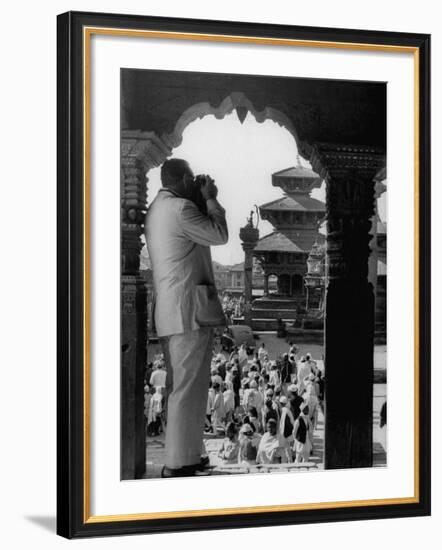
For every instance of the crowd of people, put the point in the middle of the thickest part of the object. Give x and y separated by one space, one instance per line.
233 307
264 409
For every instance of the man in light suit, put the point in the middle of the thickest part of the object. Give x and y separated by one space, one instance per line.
178 236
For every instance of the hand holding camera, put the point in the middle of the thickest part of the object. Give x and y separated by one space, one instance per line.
207 186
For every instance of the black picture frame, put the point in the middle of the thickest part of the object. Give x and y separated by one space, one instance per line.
71 516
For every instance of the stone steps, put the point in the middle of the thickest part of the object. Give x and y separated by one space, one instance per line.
267 324
281 303
273 313
264 468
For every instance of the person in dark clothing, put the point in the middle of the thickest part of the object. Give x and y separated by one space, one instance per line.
295 400
285 369
236 385
270 409
303 431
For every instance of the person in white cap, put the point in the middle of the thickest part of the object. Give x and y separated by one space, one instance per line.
266 363
274 377
242 356
254 419
269 409
286 425
262 352
312 363
302 433
220 364
294 399
270 449
310 398
215 376
218 411
229 450
293 368
229 401
158 376
293 349
248 444
155 412
304 370
252 397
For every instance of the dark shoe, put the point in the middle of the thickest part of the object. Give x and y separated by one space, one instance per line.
205 462
185 471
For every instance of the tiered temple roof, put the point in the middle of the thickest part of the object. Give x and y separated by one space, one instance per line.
296 179
299 203
277 242
295 216
280 242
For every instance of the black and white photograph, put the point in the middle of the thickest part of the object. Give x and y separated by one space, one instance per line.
239 261
221 274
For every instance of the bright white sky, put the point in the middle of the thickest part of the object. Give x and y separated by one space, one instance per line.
241 158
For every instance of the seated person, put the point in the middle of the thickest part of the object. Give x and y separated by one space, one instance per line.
229 450
270 449
248 444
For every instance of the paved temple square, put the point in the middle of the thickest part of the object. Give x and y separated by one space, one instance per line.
213 443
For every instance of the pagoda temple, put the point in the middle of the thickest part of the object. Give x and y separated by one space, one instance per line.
296 218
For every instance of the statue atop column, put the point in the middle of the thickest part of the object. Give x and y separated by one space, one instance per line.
249 236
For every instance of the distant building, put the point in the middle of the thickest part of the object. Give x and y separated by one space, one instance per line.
236 279
230 278
222 276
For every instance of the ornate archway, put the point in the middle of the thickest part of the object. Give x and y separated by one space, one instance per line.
237 101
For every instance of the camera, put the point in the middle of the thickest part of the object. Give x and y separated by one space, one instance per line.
200 180
196 195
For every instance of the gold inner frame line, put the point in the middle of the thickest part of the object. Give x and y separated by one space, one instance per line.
87 33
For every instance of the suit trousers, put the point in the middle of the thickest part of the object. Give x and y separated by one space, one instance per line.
188 357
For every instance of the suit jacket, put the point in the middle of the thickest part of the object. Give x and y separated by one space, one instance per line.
178 238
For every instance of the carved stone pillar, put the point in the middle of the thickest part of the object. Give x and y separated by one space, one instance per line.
349 310
139 152
249 236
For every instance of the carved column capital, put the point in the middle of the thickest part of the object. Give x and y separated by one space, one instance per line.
140 151
340 161
148 148
349 172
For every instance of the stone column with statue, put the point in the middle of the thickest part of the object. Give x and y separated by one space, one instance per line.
249 236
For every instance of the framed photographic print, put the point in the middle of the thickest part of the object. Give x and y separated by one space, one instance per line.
243 274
